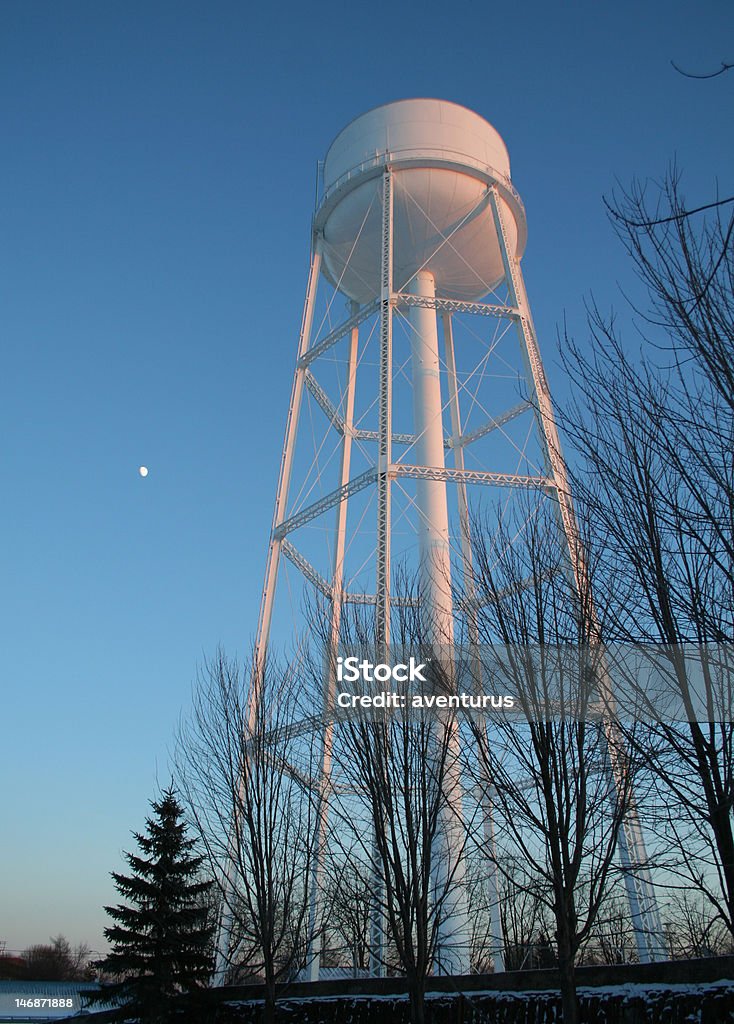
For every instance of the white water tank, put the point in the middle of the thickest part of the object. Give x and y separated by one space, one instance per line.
444 157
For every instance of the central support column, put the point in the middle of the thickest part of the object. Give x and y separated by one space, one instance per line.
447 852
433 518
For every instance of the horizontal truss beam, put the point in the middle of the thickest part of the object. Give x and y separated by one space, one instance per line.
471 476
373 435
371 599
405 299
399 469
486 598
337 421
455 305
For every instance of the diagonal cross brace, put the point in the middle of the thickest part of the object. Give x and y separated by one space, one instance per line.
490 425
325 503
338 333
301 563
330 410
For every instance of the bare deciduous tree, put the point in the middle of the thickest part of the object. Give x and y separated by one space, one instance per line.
612 939
694 930
558 780
346 900
58 961
392 815
656 478
245 772
525 918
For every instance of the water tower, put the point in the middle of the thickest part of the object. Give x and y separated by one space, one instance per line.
418 383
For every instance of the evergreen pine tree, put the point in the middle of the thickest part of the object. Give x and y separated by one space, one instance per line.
162 938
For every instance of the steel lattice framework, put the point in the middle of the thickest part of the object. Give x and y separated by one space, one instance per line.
369 457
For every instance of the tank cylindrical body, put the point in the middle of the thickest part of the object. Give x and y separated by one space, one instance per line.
443 158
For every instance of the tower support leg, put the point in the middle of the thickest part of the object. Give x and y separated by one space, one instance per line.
226 923
327 734
631 844
383 580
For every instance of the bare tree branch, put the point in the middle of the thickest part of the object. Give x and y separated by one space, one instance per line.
711 74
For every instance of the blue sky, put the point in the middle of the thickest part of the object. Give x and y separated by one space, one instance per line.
156 189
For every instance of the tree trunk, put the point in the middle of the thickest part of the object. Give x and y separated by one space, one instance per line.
569 999
721 825
269 1001
719 812
416 993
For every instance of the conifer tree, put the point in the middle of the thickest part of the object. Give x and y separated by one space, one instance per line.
162 936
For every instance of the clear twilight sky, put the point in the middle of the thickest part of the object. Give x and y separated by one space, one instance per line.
157 178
